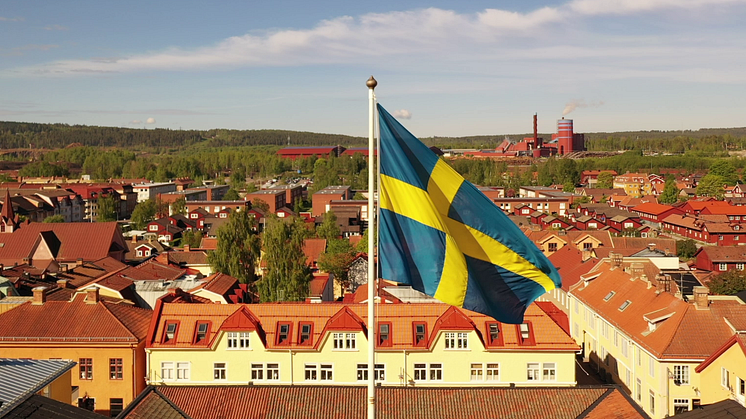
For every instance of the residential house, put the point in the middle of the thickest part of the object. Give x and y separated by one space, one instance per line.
724 372
148 190
422 345
107 341
721 258
655 213
634 184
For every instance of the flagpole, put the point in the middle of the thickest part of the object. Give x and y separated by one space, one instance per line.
371 83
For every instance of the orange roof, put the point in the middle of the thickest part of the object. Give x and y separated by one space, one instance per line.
209 243
318 285
151 270
570 265
652 208
76 320
681 330
218 283
737 338
313 248
547 334
726 210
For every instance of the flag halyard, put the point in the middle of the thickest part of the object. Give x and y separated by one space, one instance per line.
441 235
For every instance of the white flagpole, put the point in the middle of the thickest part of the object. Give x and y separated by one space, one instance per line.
371 83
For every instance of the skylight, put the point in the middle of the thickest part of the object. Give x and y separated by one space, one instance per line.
625 305
609 295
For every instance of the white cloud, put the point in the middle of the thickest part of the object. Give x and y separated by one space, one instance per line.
150 121
402 114
56 28
491 37
135 122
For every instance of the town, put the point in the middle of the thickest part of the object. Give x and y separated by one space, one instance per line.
124 296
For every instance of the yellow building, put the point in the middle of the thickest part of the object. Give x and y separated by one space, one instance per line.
635 327
635 185
325 344
107 341
724 372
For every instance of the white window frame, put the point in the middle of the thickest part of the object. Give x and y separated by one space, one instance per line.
239 341
739 266
549 371
167 366
681 403
272 371
681 374
722 267
220 371
344 341
435 372
183 371
456 341
420 372
533 371
492 372
476 372
257 372
379 371
651 367
724 378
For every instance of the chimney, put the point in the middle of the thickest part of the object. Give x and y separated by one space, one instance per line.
79 262
134 238
40 296
91 295
663 283
62 283
615 259
701 298
635 270
651 247
536 131
187 247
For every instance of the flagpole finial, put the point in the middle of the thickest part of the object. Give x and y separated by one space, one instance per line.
371 83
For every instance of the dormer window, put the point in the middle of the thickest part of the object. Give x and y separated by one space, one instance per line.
625 305
384 334
283 333
525 333
419 334
609 295
305 333
170 333
201 332
493 333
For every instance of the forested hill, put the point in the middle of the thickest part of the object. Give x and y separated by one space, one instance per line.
54 136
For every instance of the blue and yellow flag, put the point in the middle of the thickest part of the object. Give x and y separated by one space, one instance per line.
441 235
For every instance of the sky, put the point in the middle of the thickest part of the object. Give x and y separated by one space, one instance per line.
444 68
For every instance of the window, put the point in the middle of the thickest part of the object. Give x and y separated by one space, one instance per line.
436 372
609 295
681 374
238 340
722 267
218 371
457 340
616 339
362 372
305 333
326 372
651 367
310 372
115 407
532 371
477 372
87 403
257 372
273 371
167 370
344 341
724 378
493 372
182 370
170 333
625 305
652 403
86 368
493 330
587 246
419 334
552 247
639 356
605 329
638 390
741 390
739 266
627 377
420 372
525 333
384 337
625 348
549 371
283 334
115 368
201 332
153 227
680 406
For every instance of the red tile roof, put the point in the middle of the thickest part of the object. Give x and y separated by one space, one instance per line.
652 208
218 283
152 270
57 321
313 248
302 402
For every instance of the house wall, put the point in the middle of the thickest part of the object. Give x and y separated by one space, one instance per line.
399 365
733 361
100 387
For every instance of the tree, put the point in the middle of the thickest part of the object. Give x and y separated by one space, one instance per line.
260 204
336 259
238 247
728 283
287 275
55 219
359 197
685 249
328 229
231 195
251 187
179 206
190 238
711 185
670 193
605 180
362 245
106 209
143 213
568 187
725 169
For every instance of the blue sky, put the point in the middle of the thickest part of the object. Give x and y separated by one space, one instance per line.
447 68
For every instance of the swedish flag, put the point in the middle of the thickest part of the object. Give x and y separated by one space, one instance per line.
442 236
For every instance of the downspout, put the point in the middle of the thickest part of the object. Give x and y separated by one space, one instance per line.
290 352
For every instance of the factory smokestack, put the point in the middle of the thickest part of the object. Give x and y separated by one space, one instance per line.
536 131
